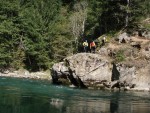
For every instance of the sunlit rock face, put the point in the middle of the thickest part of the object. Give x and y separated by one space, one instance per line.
136 76
84 69
124 38
90 67
89 70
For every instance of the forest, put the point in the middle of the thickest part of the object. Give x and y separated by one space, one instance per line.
34 34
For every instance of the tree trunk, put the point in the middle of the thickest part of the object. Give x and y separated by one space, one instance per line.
127 14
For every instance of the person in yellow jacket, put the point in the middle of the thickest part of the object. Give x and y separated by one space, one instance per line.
85 45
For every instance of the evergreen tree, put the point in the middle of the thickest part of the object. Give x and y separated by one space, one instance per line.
11 54
36 33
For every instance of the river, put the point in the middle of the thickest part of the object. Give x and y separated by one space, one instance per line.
33 96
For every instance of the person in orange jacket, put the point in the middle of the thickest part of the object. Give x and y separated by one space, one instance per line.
92 47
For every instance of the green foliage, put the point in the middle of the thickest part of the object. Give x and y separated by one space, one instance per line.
23 32
94 12
139 10
37 33
120 56
9 34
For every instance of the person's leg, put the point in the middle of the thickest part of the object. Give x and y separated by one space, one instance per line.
91 50
94 49
84 49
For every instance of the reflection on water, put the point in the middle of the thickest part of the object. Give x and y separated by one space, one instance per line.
58 103
27 96
114 104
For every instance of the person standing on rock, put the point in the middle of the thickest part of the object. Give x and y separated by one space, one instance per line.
92 47
103 41
85 45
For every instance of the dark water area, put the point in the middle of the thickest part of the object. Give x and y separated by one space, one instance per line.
30 96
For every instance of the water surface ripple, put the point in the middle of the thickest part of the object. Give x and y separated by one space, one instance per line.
30 96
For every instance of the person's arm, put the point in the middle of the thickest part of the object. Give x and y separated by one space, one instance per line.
95 44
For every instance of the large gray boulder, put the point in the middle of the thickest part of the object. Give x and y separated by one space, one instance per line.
124 38
83 70
146 34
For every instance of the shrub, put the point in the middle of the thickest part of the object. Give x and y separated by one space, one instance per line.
120 56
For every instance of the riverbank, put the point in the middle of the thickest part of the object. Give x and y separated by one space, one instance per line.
45 76
22 73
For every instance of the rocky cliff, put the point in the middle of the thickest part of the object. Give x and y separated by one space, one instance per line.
119 64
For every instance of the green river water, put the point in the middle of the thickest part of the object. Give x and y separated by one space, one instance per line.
30 96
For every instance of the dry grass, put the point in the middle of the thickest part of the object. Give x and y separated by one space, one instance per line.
133 56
